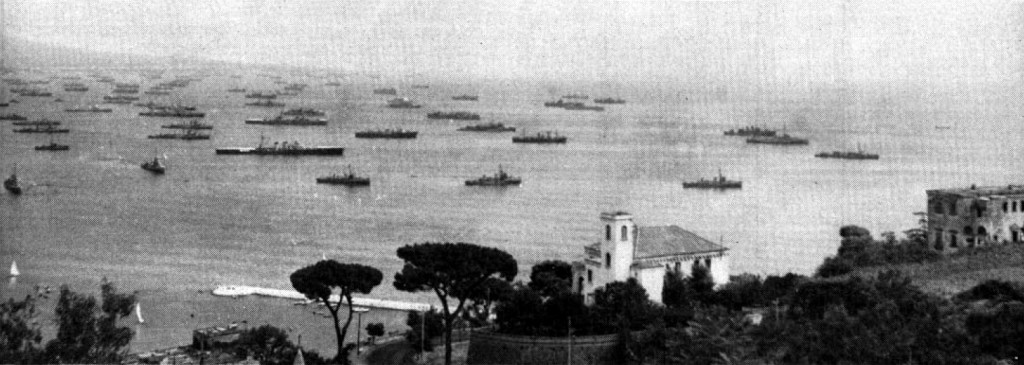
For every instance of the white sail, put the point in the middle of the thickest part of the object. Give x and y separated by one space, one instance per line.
138 313
323 256
14 269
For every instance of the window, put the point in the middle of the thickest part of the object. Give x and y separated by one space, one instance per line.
952 208
625 233
1006 207
590 276
982 235
1014 206
707 263
579 289
937 208
969 236
607 260
607 233
678 266
938 240
952 239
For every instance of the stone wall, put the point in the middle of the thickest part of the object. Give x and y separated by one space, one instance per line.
487 347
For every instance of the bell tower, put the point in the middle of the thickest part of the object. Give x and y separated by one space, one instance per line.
617 245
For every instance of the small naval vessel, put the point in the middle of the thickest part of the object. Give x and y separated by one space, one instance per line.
487 127
719 182
387 133
501 178
347 179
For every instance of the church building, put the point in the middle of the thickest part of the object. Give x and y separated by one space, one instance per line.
646 254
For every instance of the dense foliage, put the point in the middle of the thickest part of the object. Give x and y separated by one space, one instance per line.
270 345
320 281
423 328
859 249
456 272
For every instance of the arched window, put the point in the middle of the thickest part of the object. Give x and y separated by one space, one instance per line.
608 232
969 236
1006 207
607 260
678 266
625 233
707 263
982 235
952 208
952 238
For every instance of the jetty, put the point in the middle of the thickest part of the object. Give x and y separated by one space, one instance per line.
241 290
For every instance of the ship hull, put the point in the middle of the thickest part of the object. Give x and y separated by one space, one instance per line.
698 185
317 151
535 140
411 135
330 181
294 124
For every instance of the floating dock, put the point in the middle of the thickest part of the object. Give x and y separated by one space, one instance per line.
241 290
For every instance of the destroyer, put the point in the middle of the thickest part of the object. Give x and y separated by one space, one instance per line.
304 112
89 109
609 101
719 182
293 121
189 135
347 179
454 115
194 124
49 129
750 131
542 137
488 127
388 133
173 112
266 103
38 122
848 155
260 95
499 179
283 149
783 139
53 147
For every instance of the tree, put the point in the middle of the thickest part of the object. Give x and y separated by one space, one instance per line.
676 292
494 290
423 328
452 271
375 330
20 336
320 280
623 305
550 278
87 333
702 286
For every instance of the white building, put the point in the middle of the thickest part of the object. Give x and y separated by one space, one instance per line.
645 253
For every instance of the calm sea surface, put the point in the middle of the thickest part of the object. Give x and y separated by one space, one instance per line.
210 220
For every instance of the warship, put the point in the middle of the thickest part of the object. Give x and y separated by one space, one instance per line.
172 112
304 112
609 101
388 133
750 131
266 103
385 91
719 182
501 178
848 155
189 135
487 127
89 109
282 149
466 97
454 115
783 139
542 137
292 121
193 124
402 103
347 179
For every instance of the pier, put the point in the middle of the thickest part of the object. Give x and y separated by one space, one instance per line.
241 290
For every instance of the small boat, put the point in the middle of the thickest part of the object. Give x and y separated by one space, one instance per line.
154 166
385 91
14 269
499 179
719 182
53 147
347 179
12 184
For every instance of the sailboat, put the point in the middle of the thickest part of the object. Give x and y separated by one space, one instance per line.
14 269
138 312
323 256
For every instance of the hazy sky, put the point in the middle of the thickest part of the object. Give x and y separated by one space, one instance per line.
792 42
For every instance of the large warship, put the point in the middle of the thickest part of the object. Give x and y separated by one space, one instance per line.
266 103
282 149
542 137
454 115
609 101
466 97
49 129
189 135
304 112
293 121
193 124
487 127
719 182
750 131
347 179
387 133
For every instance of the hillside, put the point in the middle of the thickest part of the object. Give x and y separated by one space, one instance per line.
962 270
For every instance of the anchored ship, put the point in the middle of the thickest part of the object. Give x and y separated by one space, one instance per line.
609 101
387 133
542 137
37 122
89 109
13 185
194 124
293 121
266 103
488 127
385 91
347 179
282 149
501 178
572 105
719 182
848 155
304 112
454 115
189 135
173 112
154 166
49 129
402 103
750 131
53 147
260 95
783 139
13 116
466 97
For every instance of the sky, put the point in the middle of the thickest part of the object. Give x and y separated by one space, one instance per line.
788 42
